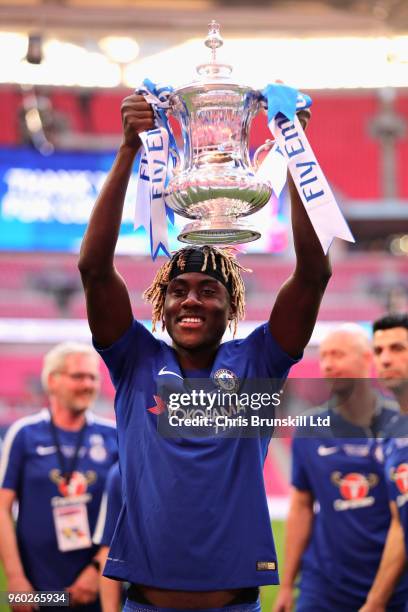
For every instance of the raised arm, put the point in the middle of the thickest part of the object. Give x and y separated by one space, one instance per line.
107 299
297 305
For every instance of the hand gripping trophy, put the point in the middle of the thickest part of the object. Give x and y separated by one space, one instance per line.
214 183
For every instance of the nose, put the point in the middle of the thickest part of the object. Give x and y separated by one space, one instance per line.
326 365
385 358
191 299
88 382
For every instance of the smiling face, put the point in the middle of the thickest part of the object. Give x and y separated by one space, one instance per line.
391 356
196 311
75 385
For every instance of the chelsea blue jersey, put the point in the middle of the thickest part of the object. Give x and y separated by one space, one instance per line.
195 514
346 478
30 467
396 468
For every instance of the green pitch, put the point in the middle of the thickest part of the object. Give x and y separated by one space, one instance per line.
268 594
2 588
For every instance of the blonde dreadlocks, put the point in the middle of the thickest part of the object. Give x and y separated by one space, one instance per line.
229 268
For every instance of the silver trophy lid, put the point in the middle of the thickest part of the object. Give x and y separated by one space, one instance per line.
212 74
213 69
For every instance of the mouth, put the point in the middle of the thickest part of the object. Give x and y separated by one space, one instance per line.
85 395
190 322
391 375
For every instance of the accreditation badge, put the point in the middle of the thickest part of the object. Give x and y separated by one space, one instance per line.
71 523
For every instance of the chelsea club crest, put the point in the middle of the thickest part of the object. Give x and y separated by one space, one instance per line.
226 380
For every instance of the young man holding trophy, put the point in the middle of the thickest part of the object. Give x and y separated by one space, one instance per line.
180 538
194 530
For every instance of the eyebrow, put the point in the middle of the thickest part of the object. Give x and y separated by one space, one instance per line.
397 343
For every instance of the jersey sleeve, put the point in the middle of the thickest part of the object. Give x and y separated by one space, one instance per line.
12 457
137 343
299 478
272 360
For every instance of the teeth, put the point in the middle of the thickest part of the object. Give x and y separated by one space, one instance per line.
191 320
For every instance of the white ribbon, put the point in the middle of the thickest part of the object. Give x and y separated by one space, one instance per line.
142 210
274 166
274 169
293 147
150 188
150 211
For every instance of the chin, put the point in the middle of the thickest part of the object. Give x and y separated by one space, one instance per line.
80 409
187 339
189 344
394 383
342 386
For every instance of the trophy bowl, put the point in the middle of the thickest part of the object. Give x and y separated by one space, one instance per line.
214 182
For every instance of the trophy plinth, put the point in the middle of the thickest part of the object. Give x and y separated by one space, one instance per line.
214 184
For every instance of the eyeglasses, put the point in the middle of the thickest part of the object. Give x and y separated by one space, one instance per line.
80 376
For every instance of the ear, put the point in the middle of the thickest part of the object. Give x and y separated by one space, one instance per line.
232 312
369 362
51 380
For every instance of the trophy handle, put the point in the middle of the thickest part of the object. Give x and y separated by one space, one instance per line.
175 155
267 146
174 112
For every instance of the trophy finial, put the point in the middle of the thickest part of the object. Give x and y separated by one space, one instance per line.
214 39
213 69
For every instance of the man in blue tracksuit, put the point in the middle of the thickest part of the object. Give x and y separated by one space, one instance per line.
339 515
55 463
390 343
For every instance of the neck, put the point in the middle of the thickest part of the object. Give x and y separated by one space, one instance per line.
196 360
359 406
67 419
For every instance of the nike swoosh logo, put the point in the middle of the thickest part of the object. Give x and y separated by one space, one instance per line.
323 451
164 371
45 450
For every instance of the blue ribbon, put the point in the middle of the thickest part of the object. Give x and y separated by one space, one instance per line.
285 100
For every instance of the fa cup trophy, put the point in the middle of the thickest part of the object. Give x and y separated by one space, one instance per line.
215 185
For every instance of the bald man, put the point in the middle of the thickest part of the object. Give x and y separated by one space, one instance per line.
337 549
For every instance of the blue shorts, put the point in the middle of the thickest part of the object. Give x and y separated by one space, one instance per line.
133 606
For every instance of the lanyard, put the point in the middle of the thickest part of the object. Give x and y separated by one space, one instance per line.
67 470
